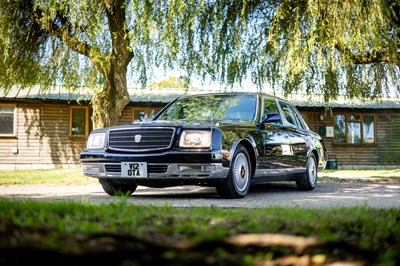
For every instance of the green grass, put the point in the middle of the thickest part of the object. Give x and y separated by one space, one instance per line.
384 173
153 233
48 176
65 227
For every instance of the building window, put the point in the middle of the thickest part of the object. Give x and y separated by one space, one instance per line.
141 113
354 129
7 120
368 129
80 122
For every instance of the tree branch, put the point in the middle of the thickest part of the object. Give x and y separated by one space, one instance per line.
63 34
115 12
373 57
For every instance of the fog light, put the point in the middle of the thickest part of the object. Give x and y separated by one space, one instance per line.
188 168
92 169
196 168
208 168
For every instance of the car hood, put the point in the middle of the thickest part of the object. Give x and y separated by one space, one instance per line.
187 124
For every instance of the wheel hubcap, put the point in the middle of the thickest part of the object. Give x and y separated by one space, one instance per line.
241 173
312 170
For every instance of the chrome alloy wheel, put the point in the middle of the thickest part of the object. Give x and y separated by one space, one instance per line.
312 170
241 172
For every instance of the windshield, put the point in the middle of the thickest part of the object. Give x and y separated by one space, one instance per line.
212 107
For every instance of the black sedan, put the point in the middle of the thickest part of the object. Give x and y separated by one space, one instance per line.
225 140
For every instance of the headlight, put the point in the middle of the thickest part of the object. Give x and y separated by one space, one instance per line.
195 139
96 141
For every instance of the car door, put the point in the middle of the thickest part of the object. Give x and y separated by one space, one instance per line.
275 153
298 134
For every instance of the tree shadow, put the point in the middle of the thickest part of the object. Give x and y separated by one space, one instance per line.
45 138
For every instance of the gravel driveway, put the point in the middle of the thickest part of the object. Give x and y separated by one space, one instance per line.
328 193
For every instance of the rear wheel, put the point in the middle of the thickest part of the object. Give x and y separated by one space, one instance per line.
237 183
117 188
309 180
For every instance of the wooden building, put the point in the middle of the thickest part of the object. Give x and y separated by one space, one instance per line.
46 130
359 134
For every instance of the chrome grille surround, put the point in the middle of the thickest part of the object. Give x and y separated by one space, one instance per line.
151 139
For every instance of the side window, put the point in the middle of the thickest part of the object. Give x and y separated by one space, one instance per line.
80 122
290 115
7 120
368 129
270 108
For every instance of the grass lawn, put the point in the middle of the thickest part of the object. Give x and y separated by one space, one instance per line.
121 233
73 233
392 173
49 176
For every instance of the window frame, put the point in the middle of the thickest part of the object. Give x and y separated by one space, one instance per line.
87 121
296 115
263 113
14 106
360 120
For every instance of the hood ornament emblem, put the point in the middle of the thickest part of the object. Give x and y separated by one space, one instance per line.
138 138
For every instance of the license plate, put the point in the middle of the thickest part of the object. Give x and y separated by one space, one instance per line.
133 169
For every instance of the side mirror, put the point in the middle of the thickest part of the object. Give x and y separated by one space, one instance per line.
272 118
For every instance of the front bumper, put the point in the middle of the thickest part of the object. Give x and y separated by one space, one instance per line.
171 165
159 171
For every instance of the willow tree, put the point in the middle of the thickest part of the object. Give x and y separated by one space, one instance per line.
328 47
333 47
338 47
83 43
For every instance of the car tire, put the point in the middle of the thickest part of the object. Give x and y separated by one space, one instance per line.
237 183
114 188
309 180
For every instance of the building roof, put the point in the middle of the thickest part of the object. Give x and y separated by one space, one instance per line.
56 93
342 102
166 95
59 93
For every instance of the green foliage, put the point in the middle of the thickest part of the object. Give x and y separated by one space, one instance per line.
31 54
351 47
324 47
171 82
328 47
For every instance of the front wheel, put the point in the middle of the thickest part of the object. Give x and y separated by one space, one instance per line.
115 188
309 180
237 183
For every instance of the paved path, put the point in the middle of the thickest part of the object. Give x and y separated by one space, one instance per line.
329 193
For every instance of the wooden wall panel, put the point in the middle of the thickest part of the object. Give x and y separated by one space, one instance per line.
42 136
386 151
389 139
126 116
57 146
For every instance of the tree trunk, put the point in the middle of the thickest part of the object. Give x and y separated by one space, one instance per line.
111 101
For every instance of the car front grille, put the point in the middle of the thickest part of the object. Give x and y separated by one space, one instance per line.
140 139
